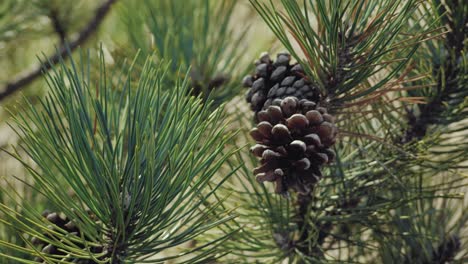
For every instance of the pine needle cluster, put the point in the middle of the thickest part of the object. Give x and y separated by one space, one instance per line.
349 146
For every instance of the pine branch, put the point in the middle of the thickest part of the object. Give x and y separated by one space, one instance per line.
28 77
447 68
346 49
137 189
433 112
345 59
58 27
343 45
302 212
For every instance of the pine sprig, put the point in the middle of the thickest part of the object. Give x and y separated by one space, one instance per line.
445 57
355 52
344 43
118 146
196 34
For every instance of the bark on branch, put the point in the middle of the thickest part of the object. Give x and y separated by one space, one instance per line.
29 76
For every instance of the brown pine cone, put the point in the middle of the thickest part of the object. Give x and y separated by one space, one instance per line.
294 139
60 221
278 80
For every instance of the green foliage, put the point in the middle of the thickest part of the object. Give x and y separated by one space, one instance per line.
445 59
144 152
9 234
370 201
193 33
145 168
379 199
12 20
264 217
344 43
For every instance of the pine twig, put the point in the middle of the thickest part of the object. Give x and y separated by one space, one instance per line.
454 42
27 77
303 203
58 27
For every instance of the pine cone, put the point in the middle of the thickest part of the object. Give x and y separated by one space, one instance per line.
62 222
277 80
201 83
293 141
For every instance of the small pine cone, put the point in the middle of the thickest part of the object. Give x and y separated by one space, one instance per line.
294 140
278 80
203 84
59 221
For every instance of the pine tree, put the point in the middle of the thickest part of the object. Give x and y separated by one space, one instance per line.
170 137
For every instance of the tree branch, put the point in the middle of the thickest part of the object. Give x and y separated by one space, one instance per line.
27 77
58 27
303 204
449 83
